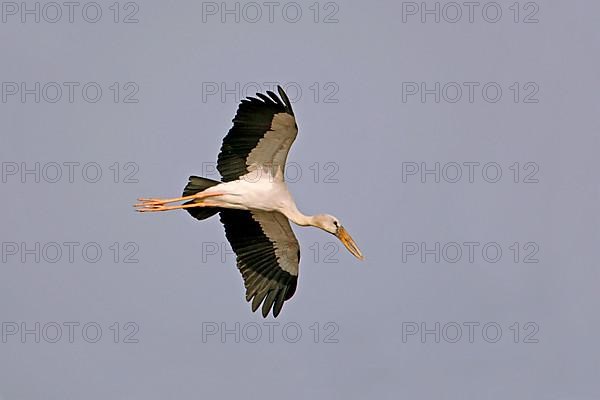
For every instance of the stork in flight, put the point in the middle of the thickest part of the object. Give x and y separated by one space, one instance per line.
254 202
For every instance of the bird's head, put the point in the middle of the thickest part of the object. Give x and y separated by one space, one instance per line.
332 225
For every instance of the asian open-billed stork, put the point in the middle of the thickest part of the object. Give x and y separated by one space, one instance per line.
254 202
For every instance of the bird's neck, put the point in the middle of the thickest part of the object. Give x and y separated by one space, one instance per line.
294 215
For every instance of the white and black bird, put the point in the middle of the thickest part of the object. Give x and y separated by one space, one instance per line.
253 200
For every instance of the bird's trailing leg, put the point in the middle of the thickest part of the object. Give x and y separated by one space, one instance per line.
146 201
153 205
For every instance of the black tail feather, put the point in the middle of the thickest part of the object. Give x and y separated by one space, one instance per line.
198 184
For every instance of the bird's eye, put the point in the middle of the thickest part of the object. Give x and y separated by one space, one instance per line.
336 224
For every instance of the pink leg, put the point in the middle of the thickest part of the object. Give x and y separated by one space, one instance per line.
152 205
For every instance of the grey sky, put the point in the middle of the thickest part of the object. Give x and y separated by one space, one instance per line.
369 127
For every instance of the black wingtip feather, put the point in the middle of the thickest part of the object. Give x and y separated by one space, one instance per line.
276 99
264 98
288 103
268 302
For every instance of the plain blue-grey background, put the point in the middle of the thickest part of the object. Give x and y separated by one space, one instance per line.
361 131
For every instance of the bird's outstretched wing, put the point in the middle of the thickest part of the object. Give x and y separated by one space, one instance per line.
263 131
267 256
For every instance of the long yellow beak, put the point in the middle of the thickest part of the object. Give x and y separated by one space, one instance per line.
345 238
